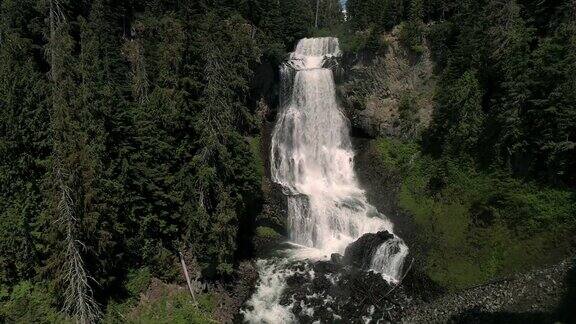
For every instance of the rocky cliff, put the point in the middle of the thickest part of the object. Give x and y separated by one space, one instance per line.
389 93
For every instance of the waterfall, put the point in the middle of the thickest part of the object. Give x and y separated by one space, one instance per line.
312 158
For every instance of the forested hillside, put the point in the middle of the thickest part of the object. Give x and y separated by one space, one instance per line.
131 135
124 132
507 91
489 181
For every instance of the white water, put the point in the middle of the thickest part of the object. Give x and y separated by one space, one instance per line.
312 158
389 259
264 306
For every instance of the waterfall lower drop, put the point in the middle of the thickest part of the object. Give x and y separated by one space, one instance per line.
312 158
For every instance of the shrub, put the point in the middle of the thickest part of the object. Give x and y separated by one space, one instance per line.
478 225
138 281
30 303
412 36
266 233
409 118
175 308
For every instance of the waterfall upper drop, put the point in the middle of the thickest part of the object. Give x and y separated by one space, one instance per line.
312 158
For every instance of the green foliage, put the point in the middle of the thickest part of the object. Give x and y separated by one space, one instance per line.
354 42
379 14
409 118
138 281
297 20
524 89
411 35
30 303
165 304
329 13
412 31
175 308
143 117
515 59
440 36
24 144
396 155
266 233
458 115
255 148
478 225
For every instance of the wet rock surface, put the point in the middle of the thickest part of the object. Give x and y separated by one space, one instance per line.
331 292
360 253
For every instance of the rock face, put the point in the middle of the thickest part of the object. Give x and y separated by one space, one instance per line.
359 254
378 89
531 297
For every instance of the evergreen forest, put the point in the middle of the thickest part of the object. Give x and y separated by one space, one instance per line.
132 136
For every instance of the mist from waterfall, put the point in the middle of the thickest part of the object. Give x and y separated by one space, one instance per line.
313 159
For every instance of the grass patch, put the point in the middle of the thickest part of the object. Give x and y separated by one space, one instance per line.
264 232
254 143
478 225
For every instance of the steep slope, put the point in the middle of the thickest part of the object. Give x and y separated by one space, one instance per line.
390 93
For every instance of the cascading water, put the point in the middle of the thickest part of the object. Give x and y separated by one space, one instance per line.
312 158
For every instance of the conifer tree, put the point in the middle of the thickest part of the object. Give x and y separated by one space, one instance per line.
79 302
24 144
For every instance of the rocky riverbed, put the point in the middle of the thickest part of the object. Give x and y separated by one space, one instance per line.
539 296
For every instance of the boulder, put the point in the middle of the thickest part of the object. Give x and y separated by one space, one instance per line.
327 292
359 253
336 258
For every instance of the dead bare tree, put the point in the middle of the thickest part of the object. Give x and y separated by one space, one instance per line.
79 302
187 276
78 297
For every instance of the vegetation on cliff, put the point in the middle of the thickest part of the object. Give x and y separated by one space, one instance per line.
476 225
491 182
506 93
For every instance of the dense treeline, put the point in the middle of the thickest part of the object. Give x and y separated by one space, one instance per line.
491 183
123 133
507 93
